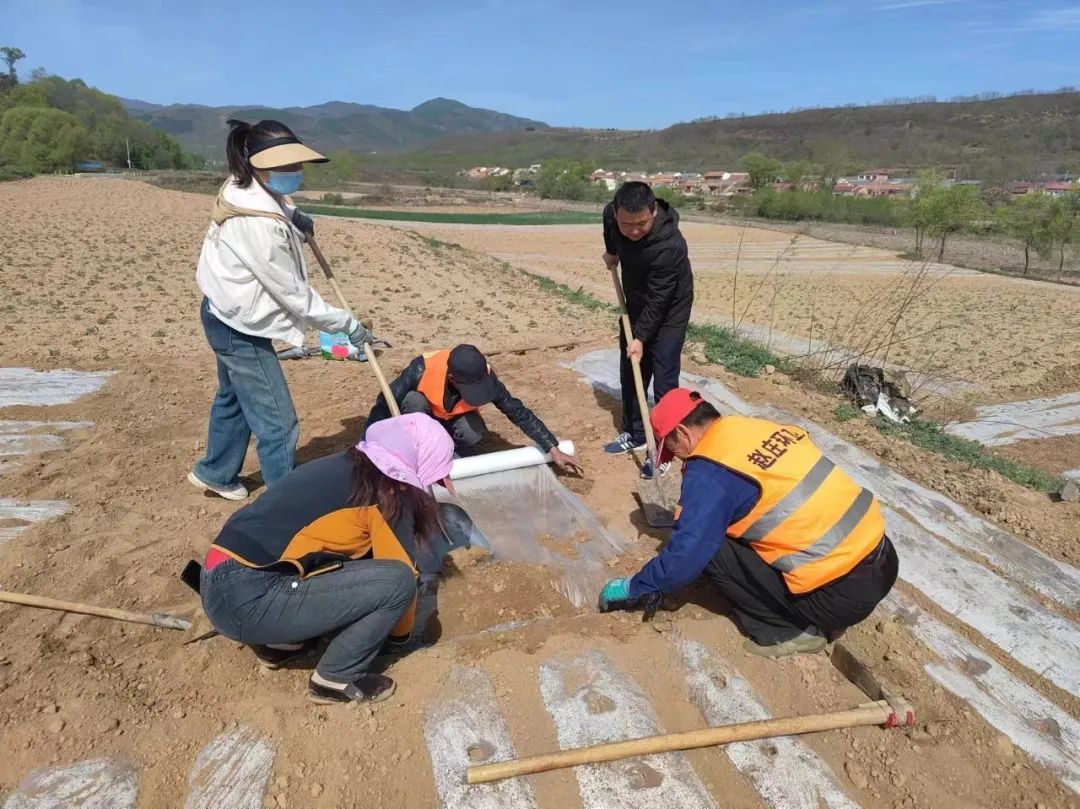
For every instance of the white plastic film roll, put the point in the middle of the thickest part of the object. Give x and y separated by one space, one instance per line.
502 461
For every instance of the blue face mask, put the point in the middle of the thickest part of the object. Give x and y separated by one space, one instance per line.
285 182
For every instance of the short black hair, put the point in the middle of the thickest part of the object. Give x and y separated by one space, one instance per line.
634 197
701 415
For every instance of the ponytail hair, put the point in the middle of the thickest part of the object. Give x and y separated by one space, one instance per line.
236 152
242 138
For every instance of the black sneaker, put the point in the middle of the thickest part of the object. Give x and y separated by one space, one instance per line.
624 442
368 688
277 655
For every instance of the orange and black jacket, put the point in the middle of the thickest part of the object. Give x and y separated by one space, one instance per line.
304 525
522 417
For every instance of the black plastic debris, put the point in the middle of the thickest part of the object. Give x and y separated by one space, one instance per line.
877 391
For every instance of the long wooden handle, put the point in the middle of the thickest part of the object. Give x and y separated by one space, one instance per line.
391 402
153 618
874 713
643 401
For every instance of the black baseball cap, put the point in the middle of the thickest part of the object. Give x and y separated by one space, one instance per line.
472 375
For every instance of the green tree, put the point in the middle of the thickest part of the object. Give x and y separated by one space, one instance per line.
803 173
10 56
563 179
498 182
41 139
343 168
834 159
951 209
762 170
1063 227
921 211
1027 219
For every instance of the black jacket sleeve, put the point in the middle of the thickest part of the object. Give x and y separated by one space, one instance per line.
610 226
523 418
407 381
660 286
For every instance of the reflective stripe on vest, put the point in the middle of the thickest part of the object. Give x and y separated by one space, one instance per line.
433 386
812 522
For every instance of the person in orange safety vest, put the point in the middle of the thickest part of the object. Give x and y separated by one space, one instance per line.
796 546
451 387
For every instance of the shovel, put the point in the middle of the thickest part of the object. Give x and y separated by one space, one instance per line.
391 402
657 505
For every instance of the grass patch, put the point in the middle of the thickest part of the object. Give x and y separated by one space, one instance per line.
930 435
846 411
577 296
10 173
726 347
533 218
722 346
435 245
204 182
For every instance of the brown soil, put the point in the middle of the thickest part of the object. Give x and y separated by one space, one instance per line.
99 275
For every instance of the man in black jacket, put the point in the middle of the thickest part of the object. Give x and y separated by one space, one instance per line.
451 387
642 233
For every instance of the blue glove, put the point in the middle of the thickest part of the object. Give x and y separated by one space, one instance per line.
616 595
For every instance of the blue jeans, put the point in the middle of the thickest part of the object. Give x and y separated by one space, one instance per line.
252 397
361 602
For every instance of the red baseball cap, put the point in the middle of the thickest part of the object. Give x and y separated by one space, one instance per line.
673 407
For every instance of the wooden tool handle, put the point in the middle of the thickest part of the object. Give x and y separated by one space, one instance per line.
154 619
875 713
369 352
643 401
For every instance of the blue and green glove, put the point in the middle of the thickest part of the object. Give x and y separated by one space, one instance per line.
616 596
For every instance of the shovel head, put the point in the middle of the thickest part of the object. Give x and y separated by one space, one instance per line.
657 501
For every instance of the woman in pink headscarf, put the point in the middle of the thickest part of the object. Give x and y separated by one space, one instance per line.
333 548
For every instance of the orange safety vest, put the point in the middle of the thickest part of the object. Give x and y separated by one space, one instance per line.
433 386
813 523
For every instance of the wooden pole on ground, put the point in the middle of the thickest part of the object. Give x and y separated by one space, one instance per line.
153 618
874 713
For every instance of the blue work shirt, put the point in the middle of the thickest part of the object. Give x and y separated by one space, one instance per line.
712 498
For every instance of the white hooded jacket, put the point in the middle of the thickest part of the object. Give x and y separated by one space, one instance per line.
253 271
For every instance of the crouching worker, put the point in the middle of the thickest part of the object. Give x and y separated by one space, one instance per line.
331 549
795 545
452 386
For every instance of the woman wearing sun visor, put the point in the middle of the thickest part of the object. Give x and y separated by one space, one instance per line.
254 279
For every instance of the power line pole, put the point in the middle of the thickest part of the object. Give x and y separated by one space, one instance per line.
127 144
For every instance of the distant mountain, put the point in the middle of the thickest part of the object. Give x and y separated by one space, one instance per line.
332 126
995 139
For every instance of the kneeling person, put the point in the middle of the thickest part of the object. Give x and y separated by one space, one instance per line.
452 386
333 548
796 546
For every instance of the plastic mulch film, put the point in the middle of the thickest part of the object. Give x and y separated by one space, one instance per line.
528 516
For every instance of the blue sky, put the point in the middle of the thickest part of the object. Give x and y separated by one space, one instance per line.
568 62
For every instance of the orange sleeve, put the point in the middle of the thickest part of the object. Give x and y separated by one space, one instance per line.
385 545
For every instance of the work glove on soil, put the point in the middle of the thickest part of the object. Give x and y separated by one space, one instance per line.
304 223
616 596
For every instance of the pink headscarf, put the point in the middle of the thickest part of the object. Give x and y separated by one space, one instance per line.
413 449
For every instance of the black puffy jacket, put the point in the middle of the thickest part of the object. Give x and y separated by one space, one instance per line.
519 415
656 275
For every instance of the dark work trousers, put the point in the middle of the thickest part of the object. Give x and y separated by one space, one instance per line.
770 614
467 430
661 362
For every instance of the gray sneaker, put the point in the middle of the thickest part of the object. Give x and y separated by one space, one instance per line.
809 642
